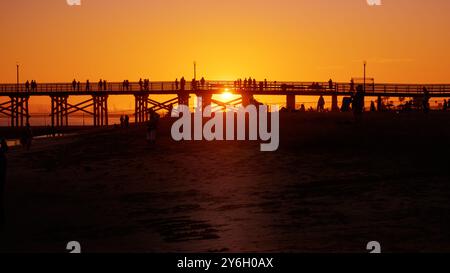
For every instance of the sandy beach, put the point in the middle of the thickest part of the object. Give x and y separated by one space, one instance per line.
332 186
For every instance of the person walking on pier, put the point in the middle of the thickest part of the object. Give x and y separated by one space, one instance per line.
3 166
88 86
330 84
100 85
141 83
176 84
27 86
203 82
182 84
194 84
74 85
33 85
352 85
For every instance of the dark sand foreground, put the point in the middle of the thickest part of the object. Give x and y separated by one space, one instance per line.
332 186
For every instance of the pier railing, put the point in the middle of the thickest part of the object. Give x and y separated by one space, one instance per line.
221 86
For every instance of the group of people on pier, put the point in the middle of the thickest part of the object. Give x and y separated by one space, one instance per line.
195 84
31 86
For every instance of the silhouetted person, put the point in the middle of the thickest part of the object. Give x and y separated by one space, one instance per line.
88 86
358 102
182 84
100 85
352 85
122 121
33 85
27 137
203 82
127 121
372 107
379 104
74 85
3 168
321 104
152 127
265 83
27 86
141 83
79 86
302 108
176 84
330 84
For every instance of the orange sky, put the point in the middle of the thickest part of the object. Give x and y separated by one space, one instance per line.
311 40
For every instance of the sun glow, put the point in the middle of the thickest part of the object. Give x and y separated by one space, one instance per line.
226 95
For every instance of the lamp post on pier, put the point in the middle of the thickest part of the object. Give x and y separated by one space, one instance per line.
17 75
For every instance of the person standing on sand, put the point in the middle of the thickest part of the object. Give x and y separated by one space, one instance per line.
27 137
358 103
321 104
152 127
3 166
127 121
122 121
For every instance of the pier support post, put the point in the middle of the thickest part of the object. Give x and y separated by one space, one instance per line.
100 113
206 100
334 103
59 114
247 99
290 102
183 99
140 108
19 110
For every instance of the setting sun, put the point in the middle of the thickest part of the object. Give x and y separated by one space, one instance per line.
226 95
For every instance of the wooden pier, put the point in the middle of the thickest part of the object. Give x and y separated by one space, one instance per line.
17 105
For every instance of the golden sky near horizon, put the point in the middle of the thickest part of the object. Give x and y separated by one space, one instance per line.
309 40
